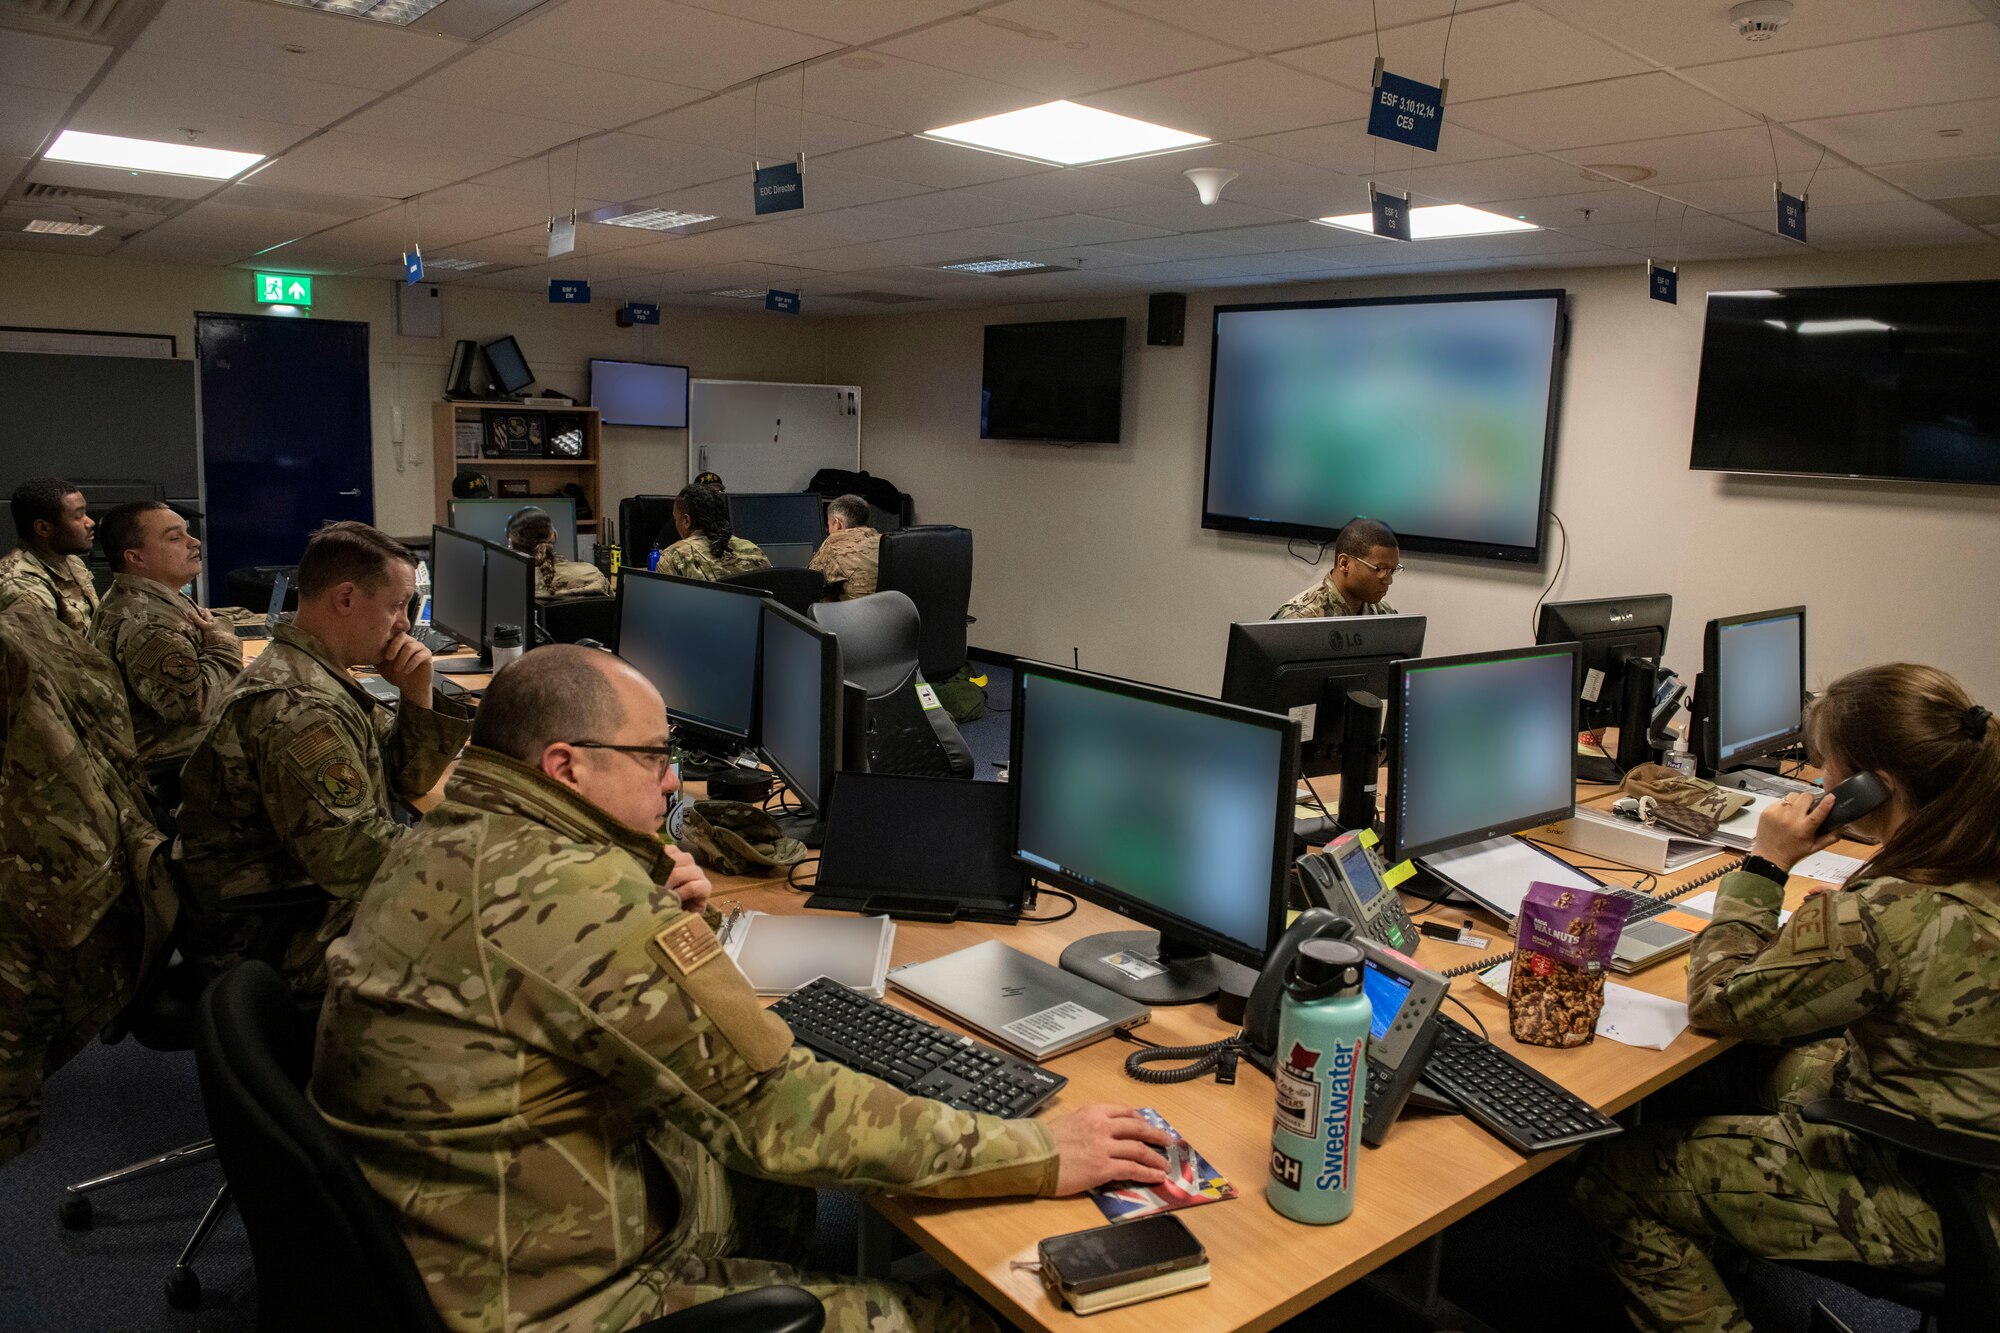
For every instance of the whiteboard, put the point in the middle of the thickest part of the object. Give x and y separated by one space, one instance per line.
762 436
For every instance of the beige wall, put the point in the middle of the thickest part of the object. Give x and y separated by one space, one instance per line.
48 291
1101 548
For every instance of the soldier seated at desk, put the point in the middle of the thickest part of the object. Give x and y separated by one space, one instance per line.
533 533
46 570
1366 559
1904 958
850 554
545 1063
708 548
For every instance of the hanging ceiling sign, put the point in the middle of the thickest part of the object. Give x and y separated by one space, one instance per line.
781 188
785 303
1663 282
413 266
1405 111
1792 215
562 235
640 312
568 292
1391 212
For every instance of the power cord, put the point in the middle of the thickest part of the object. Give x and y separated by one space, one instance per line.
1468 1010
792 875
1318 555
1220 1056
1535 616
1064 915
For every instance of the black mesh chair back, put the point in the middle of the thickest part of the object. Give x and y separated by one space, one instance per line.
642 519
795 589
931 564
578 618
879 635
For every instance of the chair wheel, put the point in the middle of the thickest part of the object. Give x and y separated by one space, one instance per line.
183 1289
74 1212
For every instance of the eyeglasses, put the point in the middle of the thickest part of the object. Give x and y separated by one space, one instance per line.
1388 572
661 755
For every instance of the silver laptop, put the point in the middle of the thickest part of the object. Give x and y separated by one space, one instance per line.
1017 1002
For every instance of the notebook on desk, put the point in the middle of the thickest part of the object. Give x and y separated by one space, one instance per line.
1017 1002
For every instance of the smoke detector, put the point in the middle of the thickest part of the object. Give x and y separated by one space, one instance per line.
1759 20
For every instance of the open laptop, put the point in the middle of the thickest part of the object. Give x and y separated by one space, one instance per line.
1020 1003
923 849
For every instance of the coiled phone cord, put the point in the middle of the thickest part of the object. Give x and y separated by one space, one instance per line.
1220 1056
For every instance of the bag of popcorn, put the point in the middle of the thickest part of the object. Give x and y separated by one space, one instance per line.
1563 941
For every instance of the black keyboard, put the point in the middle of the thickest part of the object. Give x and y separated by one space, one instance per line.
1522 1107
921 1058
1643 904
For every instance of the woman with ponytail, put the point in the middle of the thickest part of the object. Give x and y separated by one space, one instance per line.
1903 961
531 532
707 547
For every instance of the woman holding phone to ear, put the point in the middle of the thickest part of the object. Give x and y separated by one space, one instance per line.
1903 960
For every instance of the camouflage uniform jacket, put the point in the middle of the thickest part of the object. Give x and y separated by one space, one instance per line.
64 591
1909 971
1322 600
175 667
848 557
558 580
292 782
690 558
547 1067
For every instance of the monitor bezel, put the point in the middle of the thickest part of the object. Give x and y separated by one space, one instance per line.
1252 666
830 692
1555 622
1711 675
687 391
474 634
1397 850
1125 905
749 736
526 563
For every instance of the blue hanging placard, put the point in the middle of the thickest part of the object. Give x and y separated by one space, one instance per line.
1391 213
785 303
639 312
1663 283
1792 216
780 188
568 291
1405 111
413 266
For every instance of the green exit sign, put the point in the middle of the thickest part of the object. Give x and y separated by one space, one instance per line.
284 289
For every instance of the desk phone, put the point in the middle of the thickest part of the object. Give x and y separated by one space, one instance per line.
1347 879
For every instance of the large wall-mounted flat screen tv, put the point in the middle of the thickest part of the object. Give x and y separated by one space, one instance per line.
1061 381
1433 414
640 393
1900 382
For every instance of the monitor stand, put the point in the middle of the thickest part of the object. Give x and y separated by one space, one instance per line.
462 666
1191 974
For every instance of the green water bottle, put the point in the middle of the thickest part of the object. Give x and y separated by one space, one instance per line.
1321 1075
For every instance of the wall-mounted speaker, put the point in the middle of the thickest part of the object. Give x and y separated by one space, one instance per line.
1166 319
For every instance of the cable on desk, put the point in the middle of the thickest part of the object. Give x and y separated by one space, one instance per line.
1468 1011
792 875
1220 1056
1475 967
1059 916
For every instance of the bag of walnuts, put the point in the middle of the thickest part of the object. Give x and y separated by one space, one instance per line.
1563 942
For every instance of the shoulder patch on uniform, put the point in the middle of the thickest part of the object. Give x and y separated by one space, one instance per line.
686 944
1810 927
178 666
341 782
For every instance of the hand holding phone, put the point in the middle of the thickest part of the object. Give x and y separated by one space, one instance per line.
1798 826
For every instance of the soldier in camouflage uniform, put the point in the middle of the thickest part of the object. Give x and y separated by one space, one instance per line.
707 548
176 658
47 570
84 901
1905 958
1366 559
848 556
541 1057
531 532
291 785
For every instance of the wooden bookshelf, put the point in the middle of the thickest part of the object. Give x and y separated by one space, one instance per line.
545 476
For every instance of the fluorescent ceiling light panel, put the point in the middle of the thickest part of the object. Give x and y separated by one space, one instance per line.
741 293
399 12
1434 221
993 265
48 228
1066 134
1844 326
454 265
169 159
657 219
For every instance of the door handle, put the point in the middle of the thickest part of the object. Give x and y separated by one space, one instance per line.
354 494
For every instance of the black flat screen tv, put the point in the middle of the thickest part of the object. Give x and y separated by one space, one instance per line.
1433 414
1894 382
1062 381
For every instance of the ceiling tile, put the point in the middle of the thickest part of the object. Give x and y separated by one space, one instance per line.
1175 213
363 164
41 243
250 229
740 125
1295 236
1672 36
1235 100
413 120
1172 272
1280 25
181 250
1506 49
325 203
625 167
1747 194
1262 180
1955 129
653 39
1668 236
930 163
495 80
161 91
1058 48
250 35
1198 245
1711 156
1287 263
1942 65
29 117
1863 226
34 61
876 89
1525 177
1607 111
118 181
1563 210
849 22
1077 189
1348 147
1087 256
963 208
1949 179
1078 229
941 248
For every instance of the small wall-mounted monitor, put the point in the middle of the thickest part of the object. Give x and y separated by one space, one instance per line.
1063 380
509 366
640 393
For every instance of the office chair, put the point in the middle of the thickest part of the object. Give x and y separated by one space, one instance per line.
794 589
909 732
325 1246
641 520
931 564
581 618
1949 1168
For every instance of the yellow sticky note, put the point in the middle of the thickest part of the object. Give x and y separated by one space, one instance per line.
1368 838
1399 872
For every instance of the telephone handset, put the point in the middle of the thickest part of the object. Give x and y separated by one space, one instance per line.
1348 878
1860 794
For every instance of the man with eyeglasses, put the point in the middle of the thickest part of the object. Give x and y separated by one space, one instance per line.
544 1062
1366 559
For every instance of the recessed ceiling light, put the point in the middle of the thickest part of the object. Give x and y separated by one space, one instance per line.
399 12
740 293
994 265
1066 134
169 159
1433 221
1617 171
455 265
656 219
48 228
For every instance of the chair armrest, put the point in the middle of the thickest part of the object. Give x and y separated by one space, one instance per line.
765 1310
1944 1145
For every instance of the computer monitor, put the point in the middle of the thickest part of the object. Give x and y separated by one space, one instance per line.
1749 699
510 597
1166 807
458 589
487 519
788 555
639 393
510 368
1479 746
1624 641
799 705
698 643
471 374
781 517
1308 667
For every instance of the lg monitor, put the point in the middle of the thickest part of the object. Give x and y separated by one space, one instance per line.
698 643
1166 807
640 393
1480 746
487 519
1624 640
782 518
800 704
1749 699
510 368
458 592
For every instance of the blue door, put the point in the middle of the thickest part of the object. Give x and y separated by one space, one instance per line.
286 434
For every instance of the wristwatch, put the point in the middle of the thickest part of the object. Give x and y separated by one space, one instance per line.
1768 869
